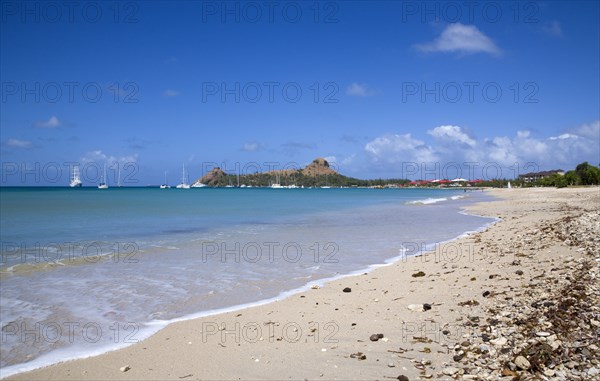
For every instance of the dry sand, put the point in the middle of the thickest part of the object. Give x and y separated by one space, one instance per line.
318 334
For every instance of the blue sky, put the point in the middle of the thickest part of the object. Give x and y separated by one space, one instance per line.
381 89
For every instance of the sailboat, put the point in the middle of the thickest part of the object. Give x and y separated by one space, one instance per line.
118 175
75 180
165 185
184 184
276 185
103 184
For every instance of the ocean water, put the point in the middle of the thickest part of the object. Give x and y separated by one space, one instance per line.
84 271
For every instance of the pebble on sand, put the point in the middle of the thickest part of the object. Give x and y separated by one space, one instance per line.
347 289
124 368
376 336
522 363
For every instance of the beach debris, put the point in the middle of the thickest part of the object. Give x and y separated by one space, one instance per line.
358 355
499 341
418 274
450 370
186 376
426 306
347 289
315 287
421 339
522 362
376 336
124 368
469 303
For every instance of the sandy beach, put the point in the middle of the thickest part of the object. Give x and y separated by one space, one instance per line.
447 314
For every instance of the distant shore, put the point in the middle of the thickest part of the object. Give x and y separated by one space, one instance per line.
402 319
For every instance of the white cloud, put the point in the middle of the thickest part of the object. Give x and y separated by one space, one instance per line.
100 157
359 90
451 144
19 143
53 122
399 148
251 147
590 130
452 134
171 93
462 39
553 28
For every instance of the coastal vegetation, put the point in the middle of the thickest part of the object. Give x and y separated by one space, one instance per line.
320 174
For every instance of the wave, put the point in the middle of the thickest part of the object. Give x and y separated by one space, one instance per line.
428 201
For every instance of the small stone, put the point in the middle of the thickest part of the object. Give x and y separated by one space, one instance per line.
450 370
519 272
124 368
457 358
347 289
391 365
415 307
315 287
486 293
499 341
402 378
426 307
542 334
376 336
508 373
549 372
522 363
418 274
485 337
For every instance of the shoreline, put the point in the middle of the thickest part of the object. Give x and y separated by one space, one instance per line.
152 327
254 337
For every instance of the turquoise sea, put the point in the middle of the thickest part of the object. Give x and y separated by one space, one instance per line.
84 271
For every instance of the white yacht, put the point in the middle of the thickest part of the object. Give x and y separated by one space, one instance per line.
165 185
184 184
75 179
103 184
